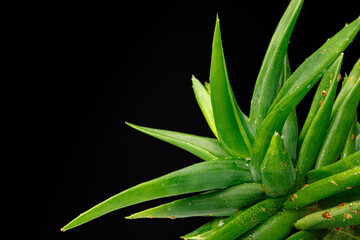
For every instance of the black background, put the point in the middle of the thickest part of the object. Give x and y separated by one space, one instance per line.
79 71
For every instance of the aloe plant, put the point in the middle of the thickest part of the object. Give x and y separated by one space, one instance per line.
260 178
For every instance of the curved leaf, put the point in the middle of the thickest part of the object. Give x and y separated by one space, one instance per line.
339 127
275 228
324 188
206 230
344 215
204 100
319 116
344 164
268 79
196 178
203 147
295 88
219 203
239 223
232 126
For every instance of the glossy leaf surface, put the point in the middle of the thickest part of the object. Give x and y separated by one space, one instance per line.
319 115
239 223
268 79
344 164
344 215
324 188
275 228
204 100
196 178
219 203
295 88
203 147
206 230
232 126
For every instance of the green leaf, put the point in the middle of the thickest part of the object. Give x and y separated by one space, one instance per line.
204 100
196 178
268 79
239 223
349 233
327 82
350 142
351 195
295 88
347 86
277 172
340 216
232 126
202 147
290 130
340 125
219 203
275 228
206 230
319 118
308 235
324 188
344 164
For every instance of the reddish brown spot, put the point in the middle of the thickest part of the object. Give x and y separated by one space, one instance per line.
293 197
347 216
305 185
331 75
352 137
339 77
323 92
342 205
320 103
352 227
326 215
338 228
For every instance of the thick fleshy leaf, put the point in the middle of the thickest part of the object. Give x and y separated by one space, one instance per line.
339 127
206 230
344 164
196 178
344 215
232 126
203 98
202 147
290 130
219 203
329 79
308 235
320 113
239 223
275 228
268 79
350 142
295 88
351 195
277 171
348 233
324 188
348 83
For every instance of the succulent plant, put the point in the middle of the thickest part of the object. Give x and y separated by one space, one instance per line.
260 177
